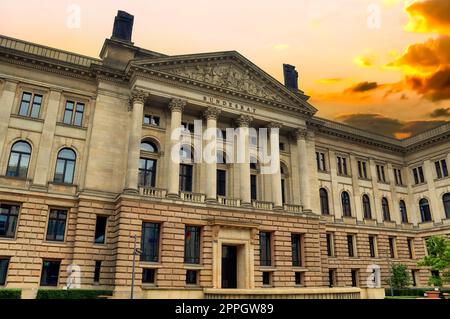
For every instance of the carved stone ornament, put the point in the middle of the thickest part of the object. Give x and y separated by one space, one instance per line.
300 134
244 120
177 105
227 75
137 97
212 113
275 125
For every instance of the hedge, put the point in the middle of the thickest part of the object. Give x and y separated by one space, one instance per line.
72 293
418 292
10 293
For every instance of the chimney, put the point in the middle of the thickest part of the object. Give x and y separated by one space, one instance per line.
123 27
290 77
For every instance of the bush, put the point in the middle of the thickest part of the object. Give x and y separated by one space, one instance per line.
417 292
72 293
10 293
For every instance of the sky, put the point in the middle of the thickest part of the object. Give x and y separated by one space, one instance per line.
381 65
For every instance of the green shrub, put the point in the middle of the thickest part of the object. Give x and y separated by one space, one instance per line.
417 292
10 293
71 293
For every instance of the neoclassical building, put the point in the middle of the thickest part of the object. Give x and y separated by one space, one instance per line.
87 175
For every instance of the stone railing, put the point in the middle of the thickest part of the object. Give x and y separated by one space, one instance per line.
46 52
262 205
152 192
228 201
193 197
290 293
291 208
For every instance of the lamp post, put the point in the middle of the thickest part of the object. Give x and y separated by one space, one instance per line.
136 252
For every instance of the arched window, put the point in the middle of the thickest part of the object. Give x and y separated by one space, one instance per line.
65 166
19 160
186 168
346 208
366 207
147 164
324 206
446 200
425 212
403 212
386 210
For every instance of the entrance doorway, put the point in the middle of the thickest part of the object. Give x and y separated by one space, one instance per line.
229 267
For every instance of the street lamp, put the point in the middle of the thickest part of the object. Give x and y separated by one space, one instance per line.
136 252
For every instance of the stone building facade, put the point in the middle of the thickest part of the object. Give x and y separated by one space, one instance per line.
86 174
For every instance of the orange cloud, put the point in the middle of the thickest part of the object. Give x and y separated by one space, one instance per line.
429 16
435 87
365 61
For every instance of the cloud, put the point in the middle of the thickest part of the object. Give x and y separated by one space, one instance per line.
365 61
441 112
329 80
435 87
363 87
380 124
424 57
429 16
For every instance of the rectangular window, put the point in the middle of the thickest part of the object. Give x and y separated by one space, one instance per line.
148 276
351 245
188 127
372 246
97 271
398 176
330 244
320 159
282 147
332 277
355 278
30 105
381 174
362 170
267 278
411 248
414 277
4 263
150 242
152 120
342 166
221 182
392 252
9 215
100 229
186 178
265 249
73 113
191 277
50 273
253 185
297 256
192 245
441 169
299 279
419 177
56 228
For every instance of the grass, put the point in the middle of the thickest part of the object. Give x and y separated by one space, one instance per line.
401 297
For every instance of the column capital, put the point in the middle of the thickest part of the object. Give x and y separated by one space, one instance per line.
300 134
137 96
211 113
244 120
177 105
277 125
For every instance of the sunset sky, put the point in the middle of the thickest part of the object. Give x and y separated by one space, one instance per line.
382 65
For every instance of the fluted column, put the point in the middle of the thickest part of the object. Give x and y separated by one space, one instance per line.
176 107
211 115
134 141
243 153
275 157
305 190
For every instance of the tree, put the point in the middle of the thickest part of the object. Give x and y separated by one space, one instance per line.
438 260
399 277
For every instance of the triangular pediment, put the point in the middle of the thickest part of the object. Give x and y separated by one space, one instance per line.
228 71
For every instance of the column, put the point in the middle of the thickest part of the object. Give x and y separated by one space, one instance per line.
176 107
243 153
437 211
356 190
134 141
46 143
335 187
305 190
211 115
275 160
376 192
394 204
